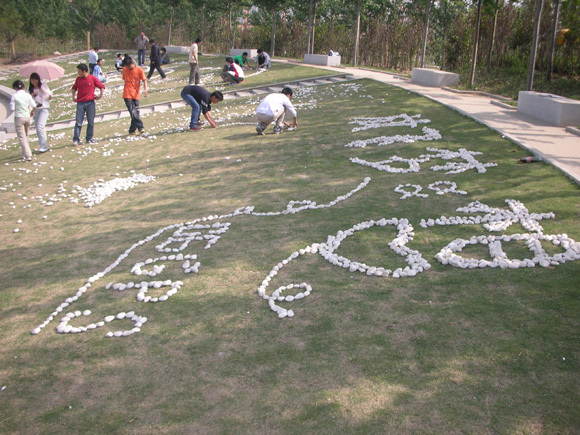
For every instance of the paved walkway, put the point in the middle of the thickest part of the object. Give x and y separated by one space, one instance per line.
554 144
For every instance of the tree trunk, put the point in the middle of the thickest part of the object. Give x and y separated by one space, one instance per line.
357 34
534 50
313 28
273 43
88 39
202 24
170 25
12 49
553 40
492 42
309 28
475 44
425 34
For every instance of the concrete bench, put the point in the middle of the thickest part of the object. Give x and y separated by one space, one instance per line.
434 78
555 110
6 116
322 59
252 52
176 49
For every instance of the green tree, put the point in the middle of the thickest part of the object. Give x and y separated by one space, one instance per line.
11 22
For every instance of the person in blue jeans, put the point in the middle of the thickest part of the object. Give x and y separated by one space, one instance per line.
83 93
200 101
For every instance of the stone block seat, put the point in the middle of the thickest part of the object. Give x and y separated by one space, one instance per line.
252 52
434 78
322 59
176 49
6 116
553 109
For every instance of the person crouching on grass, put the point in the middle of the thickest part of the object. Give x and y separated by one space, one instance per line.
200 101
133 76
83 93
273 109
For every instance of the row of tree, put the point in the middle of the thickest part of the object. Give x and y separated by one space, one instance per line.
396 34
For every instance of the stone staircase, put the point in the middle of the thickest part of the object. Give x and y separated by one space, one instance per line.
228 95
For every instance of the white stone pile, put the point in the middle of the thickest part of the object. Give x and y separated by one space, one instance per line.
402 120
451 189
455 167
181 235
428 135
406 194
495 218
385 166
499 258
101 190
416 263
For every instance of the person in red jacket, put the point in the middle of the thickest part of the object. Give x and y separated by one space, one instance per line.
83 93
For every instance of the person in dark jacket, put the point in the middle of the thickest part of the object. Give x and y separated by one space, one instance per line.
155 57
200 101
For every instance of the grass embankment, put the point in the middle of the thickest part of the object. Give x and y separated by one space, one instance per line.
450 350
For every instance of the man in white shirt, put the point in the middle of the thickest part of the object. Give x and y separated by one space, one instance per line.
194 63
273 108
232 72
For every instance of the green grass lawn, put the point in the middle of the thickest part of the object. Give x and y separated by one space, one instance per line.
451 350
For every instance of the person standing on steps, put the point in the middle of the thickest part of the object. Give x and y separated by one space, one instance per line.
133 76
155 57
141 42
42 96
194 78
22 104
83 93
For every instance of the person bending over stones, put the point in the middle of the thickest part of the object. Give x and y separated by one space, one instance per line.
200 101
273 108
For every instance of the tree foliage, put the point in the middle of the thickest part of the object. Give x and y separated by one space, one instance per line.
391 31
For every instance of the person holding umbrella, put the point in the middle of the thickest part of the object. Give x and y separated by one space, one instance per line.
42 96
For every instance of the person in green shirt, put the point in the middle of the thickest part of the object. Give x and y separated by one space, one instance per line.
242 60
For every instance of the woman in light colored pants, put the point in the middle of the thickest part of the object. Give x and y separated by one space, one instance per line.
23 106
42 96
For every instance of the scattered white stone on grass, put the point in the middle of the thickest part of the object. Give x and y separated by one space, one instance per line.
402 120
101 190
207 230
451 189
407 194
416 263
428 134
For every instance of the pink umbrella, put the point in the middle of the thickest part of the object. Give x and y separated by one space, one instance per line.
45 69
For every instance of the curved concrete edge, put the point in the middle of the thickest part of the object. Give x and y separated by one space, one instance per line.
6 117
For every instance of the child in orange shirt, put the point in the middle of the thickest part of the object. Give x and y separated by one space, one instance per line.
133 75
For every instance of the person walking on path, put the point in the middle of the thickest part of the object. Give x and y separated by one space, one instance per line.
263 59
200 100
194 78
155 57
273 109
22 104
42 96
133 76
232 72
83 93
93 58
142 41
